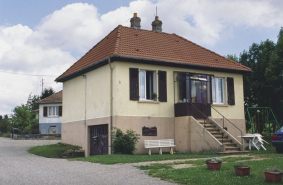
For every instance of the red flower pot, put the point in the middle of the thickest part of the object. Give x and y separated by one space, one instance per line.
213 165
273 176
243 171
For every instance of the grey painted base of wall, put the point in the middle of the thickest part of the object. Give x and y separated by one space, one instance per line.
78 133
45 128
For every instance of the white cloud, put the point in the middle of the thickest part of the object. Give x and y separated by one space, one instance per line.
50 48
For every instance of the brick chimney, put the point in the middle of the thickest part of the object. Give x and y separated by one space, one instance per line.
136 22
157 25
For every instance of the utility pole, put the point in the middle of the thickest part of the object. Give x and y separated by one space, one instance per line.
42 85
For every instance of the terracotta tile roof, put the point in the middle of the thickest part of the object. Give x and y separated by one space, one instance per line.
145 44
57 97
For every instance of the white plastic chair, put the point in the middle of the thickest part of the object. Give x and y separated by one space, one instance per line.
258 141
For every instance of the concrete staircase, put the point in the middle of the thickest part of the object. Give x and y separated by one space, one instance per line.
229 145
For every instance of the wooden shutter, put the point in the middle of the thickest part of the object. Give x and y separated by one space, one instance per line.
134 84
60 110
231 94
44 111
162 86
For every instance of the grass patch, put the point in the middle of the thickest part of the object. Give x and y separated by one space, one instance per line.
6 134
201 175
52 151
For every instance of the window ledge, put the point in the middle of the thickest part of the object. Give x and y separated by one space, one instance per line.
220 105
144 101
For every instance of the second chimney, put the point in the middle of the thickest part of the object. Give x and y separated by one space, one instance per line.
157 25
136 22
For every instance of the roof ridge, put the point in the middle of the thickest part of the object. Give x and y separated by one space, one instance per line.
118 39
212 52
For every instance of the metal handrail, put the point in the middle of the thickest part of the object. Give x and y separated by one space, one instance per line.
229 122
208 120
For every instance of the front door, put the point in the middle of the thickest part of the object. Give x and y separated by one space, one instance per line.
99 140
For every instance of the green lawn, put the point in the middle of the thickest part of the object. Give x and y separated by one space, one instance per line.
201 175
52 151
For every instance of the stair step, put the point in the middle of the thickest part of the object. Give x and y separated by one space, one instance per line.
212 129
232 149
230 145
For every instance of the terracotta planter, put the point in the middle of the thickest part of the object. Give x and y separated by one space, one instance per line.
213 165
273 176
243 171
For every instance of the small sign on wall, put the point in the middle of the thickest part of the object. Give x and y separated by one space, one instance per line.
149 131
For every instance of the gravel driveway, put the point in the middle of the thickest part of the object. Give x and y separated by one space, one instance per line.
18 167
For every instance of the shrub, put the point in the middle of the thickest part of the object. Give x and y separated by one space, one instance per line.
239 165
273 170
124 143
6 134
214 159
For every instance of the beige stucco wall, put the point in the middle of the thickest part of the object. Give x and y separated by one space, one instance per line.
182 136
97 96
124 107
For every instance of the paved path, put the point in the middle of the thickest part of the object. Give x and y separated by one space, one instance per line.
18 167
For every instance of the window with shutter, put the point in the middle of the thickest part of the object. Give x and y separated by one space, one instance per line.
162 86
44 111
134 84
230 88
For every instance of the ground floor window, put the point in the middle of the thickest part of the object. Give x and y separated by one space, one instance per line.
218 90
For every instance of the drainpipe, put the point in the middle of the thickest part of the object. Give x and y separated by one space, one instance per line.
85 130
84 76
111 97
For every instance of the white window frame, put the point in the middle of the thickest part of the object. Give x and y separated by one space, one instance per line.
215 91
142 84
53 111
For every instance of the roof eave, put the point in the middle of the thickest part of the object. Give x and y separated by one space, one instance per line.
49 102
145 60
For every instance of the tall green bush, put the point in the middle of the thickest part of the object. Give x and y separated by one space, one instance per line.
124 143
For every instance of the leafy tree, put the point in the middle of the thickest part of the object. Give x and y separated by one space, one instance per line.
264 86
23 118
4 125
47 92
124 143
31 101
233 57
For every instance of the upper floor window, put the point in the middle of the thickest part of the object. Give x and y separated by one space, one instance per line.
218 90
52 111
143 85
148 85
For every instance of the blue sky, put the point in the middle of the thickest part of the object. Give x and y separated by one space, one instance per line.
45 37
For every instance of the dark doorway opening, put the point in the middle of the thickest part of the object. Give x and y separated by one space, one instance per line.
99 140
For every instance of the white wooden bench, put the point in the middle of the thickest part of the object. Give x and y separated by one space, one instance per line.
163 143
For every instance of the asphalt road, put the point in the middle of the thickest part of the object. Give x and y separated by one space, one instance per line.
18 167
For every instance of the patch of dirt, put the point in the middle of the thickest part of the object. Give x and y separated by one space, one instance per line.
182 160
179 166
52 138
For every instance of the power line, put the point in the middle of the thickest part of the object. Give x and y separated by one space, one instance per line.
27 74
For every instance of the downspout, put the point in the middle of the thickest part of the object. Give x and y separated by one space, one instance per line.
111 97
84 76
85 128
